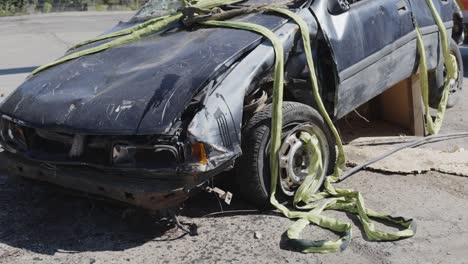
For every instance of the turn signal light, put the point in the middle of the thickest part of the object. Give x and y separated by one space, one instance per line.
199 153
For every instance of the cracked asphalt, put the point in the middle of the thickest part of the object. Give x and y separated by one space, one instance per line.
42 224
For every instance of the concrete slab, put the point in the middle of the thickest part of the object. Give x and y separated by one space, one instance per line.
410 161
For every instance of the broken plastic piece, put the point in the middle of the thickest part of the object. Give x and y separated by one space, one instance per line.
223 195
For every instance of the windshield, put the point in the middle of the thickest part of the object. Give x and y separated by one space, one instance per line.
157 8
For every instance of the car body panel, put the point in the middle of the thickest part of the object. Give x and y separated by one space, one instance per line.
137 88
367 65
219 122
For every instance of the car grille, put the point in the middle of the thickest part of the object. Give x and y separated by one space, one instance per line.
146 151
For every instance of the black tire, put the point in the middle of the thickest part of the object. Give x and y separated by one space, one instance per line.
437 78
252 169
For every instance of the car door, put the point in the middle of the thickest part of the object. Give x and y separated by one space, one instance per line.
367 42
430 30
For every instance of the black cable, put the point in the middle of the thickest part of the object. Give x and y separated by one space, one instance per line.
192 229
412 144
232 212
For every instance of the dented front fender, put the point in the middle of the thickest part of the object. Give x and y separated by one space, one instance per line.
219 123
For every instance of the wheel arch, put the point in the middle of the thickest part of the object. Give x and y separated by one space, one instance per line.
219 122
299 86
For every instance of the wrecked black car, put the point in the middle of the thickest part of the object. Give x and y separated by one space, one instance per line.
150 121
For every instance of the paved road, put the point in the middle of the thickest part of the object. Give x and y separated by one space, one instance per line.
31 41
43 225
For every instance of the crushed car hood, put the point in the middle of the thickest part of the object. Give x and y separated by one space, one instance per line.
141 87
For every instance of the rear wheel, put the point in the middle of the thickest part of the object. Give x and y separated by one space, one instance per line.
253 168
437 79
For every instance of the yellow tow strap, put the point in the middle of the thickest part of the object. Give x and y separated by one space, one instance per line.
133 33
336 199
433 126
332 198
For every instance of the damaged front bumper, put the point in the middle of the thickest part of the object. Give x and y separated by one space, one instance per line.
148 189
151 172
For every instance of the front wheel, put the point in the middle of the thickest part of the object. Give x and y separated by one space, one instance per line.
253 169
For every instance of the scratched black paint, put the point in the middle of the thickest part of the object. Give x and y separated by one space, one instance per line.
137 88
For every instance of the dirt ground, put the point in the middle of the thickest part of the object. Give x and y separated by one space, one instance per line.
42 224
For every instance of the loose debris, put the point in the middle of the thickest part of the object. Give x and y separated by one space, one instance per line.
257 235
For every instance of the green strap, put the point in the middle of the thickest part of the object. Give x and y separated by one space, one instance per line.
346 200
341 160
149 29
433 126
119 33
134 33
337 199
277 94
200 4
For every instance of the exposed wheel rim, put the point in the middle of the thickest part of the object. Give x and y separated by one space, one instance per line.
295 158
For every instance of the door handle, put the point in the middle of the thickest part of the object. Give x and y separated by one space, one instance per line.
402 8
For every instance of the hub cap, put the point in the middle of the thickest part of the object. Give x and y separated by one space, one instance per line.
295 158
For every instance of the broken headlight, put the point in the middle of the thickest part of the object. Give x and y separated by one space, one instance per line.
12 135
156 156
